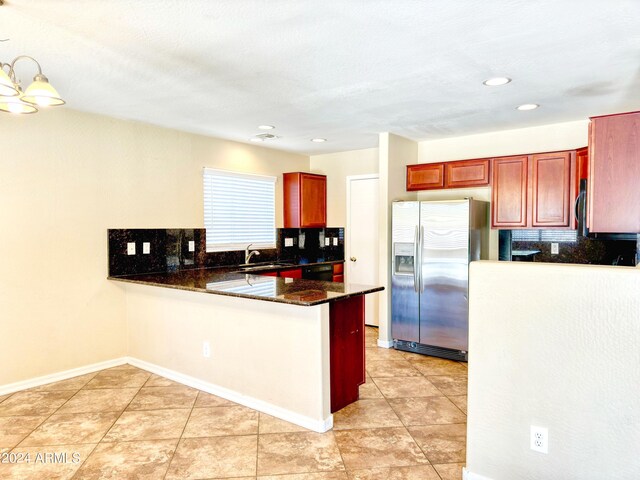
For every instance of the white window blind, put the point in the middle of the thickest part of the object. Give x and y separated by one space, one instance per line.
239 209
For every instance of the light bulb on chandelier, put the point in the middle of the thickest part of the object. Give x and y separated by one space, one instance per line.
39 94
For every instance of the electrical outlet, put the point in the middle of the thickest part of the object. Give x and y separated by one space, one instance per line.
540 439
206 349
555 248
192 246
335 241
131 248
288 242
327 241
146 248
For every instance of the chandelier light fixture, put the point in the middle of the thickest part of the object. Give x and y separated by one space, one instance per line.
39 94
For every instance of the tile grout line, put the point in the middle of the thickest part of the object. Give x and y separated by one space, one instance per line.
181 436
50 415
114 422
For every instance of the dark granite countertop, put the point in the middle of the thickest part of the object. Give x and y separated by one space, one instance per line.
228 281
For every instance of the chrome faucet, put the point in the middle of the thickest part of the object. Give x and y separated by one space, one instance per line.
248 255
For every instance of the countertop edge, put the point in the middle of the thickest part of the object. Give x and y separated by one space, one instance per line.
243 295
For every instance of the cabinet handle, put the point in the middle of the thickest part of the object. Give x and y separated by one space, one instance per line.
353 259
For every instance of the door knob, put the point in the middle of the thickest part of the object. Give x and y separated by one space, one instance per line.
353 259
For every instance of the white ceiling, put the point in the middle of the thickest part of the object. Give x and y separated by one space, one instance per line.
339 69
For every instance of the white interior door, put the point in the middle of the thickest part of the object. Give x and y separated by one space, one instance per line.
362 238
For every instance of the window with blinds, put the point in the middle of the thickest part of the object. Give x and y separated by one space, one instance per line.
239 209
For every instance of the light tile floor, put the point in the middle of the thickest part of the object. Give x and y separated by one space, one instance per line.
123 422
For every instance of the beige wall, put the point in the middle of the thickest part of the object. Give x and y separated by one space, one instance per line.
554 346
337 167
395 153
270 356
65 178
546 138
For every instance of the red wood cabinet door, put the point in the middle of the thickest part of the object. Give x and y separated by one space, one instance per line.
614 174
551 190
346 350
467 173
296 273
305 200
426 176
509 193
313 201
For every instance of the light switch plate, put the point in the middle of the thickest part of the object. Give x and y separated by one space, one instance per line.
335 241
131 248
146 248
555 248
288 242
327 241
192 246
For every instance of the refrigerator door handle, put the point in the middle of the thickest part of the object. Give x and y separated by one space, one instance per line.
415 261
420 257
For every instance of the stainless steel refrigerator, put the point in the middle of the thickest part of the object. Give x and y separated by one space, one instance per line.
433 243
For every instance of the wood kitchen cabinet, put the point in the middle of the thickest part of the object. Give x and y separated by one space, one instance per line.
346 350
533 191
425 176
551 198
305 200
509 194
613 194
459 174
467 173
338 272
293 273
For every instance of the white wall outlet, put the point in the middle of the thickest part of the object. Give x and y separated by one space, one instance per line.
288 242
146 248
335 241
131 248
555 248
192 246
288 280
540 439
206 349
327 241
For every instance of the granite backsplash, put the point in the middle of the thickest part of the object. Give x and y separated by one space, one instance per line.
169 249
585 250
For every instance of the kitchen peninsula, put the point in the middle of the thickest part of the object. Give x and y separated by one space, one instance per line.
289 347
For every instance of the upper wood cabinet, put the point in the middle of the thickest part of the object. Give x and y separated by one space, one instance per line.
509 194
551 190
459 174
614 174
305 200
533 191
425 176
467 173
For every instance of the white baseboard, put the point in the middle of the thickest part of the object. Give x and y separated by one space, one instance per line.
467 475
56 377
385 343
260 405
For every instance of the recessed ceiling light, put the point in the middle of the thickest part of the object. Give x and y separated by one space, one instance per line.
528 106
266 127
496 81
318 140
